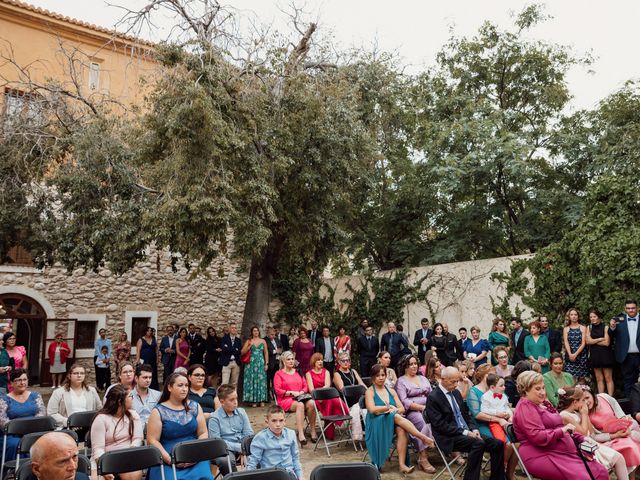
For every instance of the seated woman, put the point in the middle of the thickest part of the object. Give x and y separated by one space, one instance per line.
73 396
384 415
199 392
318 377
433 369
547 446
510 383
413 390
126 377
503 369
556 378
116 427
292 394
605 411
346 376
384 359
176 419
573 410
467 369
19 403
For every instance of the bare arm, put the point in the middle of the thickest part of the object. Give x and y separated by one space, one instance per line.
154 430
138 348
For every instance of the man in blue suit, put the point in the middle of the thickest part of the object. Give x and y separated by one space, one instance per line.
230 356
624 328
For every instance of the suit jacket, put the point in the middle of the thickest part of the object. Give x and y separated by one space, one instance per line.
368 349
443 422
284 340
621 335
198 348
319 347
310 335
229 348
518 350
167 342
451 348
401 343
273 353
555 340
422 349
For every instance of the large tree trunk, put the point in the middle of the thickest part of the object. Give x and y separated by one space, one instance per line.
256 309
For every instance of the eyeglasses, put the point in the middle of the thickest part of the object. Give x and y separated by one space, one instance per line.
345 361
21 380
502 357
198 375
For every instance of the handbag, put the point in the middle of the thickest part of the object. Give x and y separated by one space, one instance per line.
616 424
303 397
246 357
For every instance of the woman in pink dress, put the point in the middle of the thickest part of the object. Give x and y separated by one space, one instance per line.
290 391
17 352
303 348
318 377
547 446
183 350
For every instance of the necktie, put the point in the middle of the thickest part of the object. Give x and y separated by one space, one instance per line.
457 414
497 395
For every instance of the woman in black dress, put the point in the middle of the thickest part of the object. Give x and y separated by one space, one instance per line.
199 392
438 343
600 353
212 351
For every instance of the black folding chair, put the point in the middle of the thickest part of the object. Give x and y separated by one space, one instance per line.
20 427
130 460
245 448
81 423
323 395
25 473
342 471
262 474
367 381
194 451
512 437
353 393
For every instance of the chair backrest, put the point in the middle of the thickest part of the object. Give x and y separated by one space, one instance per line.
27 441
353 392
511 433
21 426
340 471
24 471
129 460
81 419
362 403
367 381
87 439
325 393
194 451
262 474
245 445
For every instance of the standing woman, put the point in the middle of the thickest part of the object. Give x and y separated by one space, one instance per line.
199 392
384 359
536 346
74 396
6 363
600 352
17 352
574 338
476 348
255 372
438 343
342 343
176 419
122 350
303 348
498 337
58 353
212 352
147 351
183 349
116 427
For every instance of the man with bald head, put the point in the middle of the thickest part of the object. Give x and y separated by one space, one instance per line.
55 457
455 430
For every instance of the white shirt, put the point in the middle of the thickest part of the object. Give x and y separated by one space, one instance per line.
633 332
492 405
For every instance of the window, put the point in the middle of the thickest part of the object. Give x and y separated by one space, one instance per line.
138 327
135 323
18 255
86 333
21 104
94 76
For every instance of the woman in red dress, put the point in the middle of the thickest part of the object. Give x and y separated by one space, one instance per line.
318 377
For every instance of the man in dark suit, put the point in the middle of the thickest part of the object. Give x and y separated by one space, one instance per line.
462 332
197 345
624 329
518 334
394 343
275 349
455 430
451 345
230 356
313 334
421 339
324 345
168 352
283 339
368 347
554 336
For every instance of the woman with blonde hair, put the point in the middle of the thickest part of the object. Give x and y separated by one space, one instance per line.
574 339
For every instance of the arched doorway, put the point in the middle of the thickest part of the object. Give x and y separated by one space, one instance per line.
28 320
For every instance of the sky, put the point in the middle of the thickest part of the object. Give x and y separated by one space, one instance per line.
417 29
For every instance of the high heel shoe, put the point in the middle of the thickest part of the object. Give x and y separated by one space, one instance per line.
425 466
407 470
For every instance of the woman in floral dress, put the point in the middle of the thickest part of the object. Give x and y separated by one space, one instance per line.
255 372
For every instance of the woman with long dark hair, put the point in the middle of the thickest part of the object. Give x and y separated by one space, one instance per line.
212 352
147 351
183 350
116 427
176 419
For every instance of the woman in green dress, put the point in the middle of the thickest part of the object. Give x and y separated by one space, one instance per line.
498 337
556 378
536 346
255 372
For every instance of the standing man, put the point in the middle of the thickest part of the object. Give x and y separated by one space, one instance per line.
394 343
368 347
451 345
624 328
168 352
144 398
283 339
554 336
103 341
196 342
362 329
314 333
462 332
421 339
324 345
275 349
230 356
518 334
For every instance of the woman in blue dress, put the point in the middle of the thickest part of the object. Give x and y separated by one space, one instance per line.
176 419
20 403
384 415
476 349
147 351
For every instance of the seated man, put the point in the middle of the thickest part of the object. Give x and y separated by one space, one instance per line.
276 445
144 398
229 423
54 456
455 430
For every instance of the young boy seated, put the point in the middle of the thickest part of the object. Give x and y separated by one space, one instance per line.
495 403
276 445
231 424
